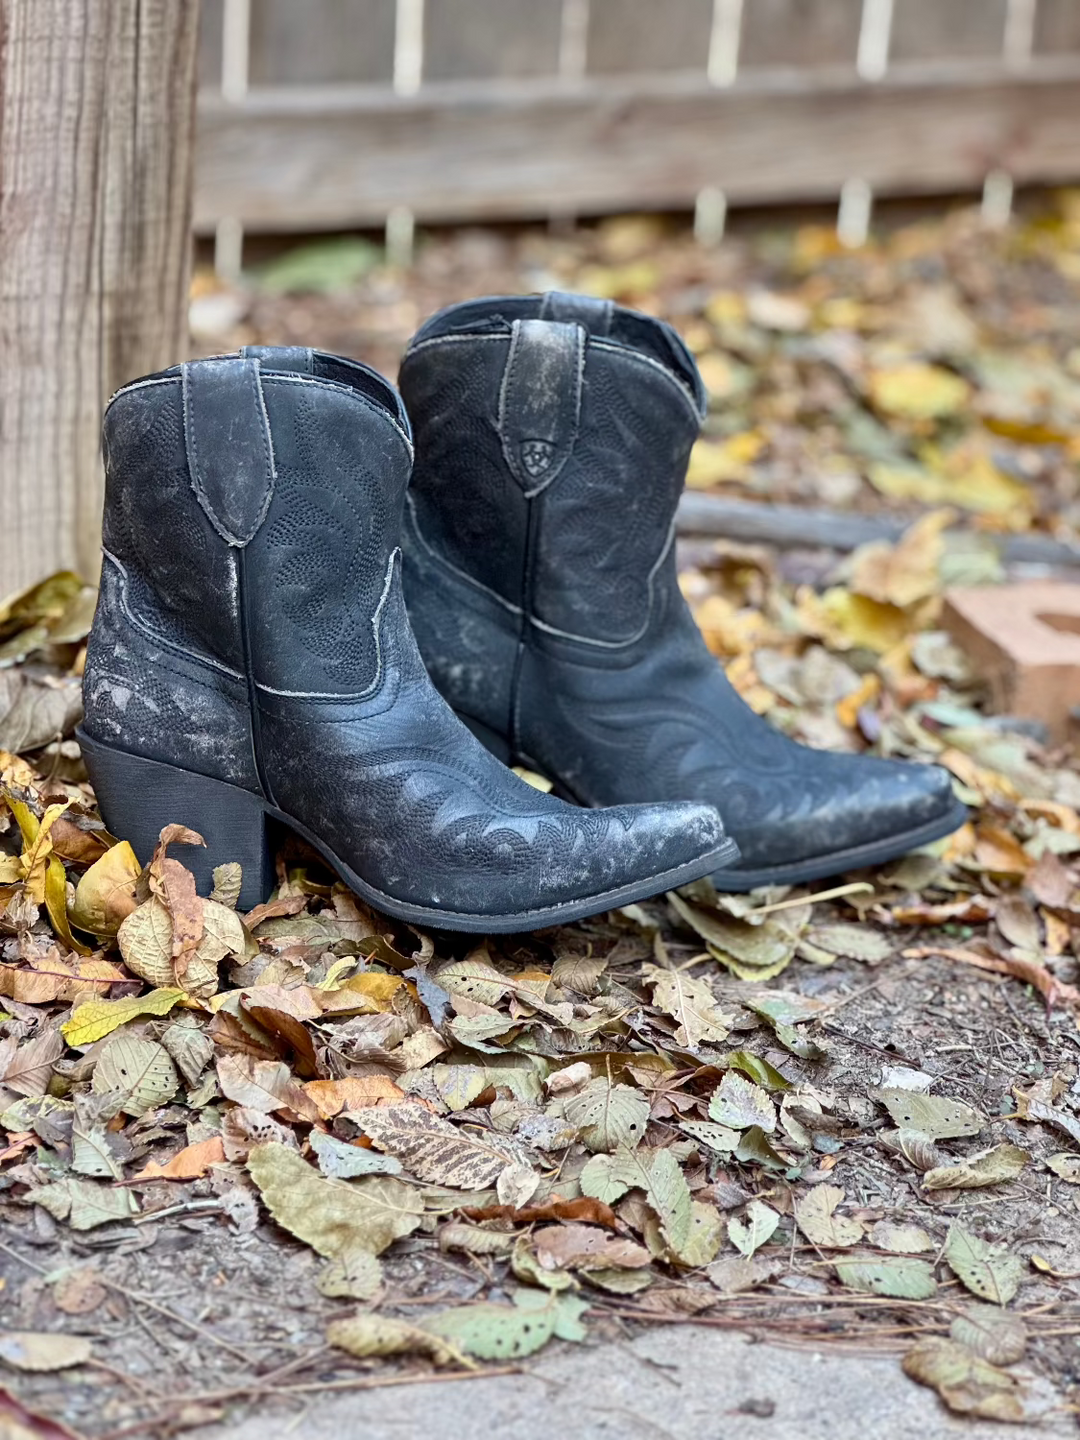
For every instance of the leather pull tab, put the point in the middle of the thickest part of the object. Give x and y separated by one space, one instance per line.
540 400
300 358
595 314
229 450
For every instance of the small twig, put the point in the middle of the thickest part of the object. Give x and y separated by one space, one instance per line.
258 1387
185 1207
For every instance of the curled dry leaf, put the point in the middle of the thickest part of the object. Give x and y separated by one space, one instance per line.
187 1164
146 943
265 1085
368 1335
967 1384
691 1002
989 1167
352 1093
105 894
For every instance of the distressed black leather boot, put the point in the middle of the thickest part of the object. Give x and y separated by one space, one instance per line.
251 660
552 437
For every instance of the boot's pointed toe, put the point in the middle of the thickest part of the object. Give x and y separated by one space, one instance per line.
553 434
251 661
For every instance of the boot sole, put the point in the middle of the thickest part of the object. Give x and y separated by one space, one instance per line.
736 880
797 872
138 796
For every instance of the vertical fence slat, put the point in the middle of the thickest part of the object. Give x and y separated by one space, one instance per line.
1057 27
799 33
486 39
947 30
335 41
637 35
208 60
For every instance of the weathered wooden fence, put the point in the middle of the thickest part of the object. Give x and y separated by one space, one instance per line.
333 113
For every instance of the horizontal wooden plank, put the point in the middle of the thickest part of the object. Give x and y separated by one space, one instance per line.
798 527
303 159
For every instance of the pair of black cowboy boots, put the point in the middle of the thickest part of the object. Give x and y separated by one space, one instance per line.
252 659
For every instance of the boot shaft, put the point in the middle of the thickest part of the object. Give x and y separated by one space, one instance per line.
552 437
243 495
252 516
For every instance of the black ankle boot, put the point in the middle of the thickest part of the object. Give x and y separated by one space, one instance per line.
552 440
251 660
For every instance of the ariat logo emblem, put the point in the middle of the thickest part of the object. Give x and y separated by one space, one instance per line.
536 456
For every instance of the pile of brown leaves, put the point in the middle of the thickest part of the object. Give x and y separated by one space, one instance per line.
620 1116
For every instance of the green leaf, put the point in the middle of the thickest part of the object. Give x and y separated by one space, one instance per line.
720 1138
740 1104
756 1230
988 1271
608 1116
856 942
704 1238
905 1279
507 1332
756 1069
342 1161
134 1075
657 1172
939 1117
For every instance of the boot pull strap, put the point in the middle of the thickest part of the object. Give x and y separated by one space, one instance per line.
595 314
229 451
540 400
300 358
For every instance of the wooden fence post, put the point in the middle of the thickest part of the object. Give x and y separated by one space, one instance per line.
96 144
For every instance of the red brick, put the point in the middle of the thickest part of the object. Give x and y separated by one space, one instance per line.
1024 640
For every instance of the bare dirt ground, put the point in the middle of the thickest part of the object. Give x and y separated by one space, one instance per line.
882 1157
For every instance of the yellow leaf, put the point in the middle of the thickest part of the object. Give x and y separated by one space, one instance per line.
918 392
845 621
37 845
56 904
847 709
105 894
714 461
10 869
907 572
98 1018
377 987
972 480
